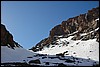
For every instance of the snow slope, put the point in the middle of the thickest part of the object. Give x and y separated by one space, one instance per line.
83 49
15 55
87 52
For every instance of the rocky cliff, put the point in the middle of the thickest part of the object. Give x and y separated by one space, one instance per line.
84 23
7 38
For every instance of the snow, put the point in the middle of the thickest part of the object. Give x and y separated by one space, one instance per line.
72 33
81 48
90 32
96 19
84 49
14 55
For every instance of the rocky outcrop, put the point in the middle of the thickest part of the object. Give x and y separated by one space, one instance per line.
84 23
7 38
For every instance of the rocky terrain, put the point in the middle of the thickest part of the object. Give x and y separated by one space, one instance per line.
84 23
7 38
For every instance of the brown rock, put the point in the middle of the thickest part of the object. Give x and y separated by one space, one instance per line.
6 37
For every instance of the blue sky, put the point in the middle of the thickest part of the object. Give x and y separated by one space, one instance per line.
30 21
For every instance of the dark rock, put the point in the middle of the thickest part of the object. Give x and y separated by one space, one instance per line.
44 57
29 57
47 63
53 57
61 64
69 61
40 55
52 46
60 54
37 61
7 38
74 53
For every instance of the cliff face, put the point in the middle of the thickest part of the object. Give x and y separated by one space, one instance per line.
7 38
84 23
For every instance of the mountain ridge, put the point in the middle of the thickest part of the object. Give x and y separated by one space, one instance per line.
83 23
7 38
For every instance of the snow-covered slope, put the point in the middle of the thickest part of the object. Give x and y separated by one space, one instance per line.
85 47
22 55
15 55
86 51
82 49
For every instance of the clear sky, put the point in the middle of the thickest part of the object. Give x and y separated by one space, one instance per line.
30 21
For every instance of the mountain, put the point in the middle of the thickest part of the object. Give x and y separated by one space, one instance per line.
74 42
87 24
77 37
7 38
11 52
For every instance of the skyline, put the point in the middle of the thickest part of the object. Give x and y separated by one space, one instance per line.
29 22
